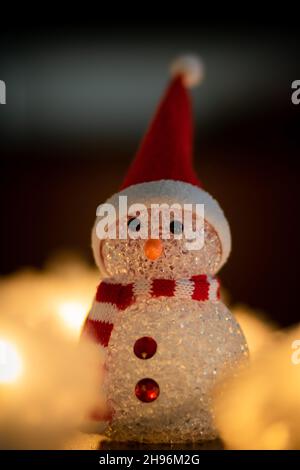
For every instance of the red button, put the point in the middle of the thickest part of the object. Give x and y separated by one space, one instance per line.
145 347
147 390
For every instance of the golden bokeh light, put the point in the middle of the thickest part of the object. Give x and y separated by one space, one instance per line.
260 408
73 313
11 365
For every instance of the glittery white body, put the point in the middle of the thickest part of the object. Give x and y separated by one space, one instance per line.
197 342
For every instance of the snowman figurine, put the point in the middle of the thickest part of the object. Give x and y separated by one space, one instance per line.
157 316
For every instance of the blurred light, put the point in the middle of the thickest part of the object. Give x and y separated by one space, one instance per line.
10 362
260 407
256 328
275 437
73 314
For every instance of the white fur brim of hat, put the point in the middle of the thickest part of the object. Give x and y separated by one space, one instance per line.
170 192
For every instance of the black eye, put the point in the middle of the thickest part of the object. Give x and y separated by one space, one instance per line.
134 224
176 227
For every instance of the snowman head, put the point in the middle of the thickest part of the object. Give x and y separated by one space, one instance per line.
172 253
162 172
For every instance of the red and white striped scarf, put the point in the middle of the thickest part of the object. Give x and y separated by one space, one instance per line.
114 298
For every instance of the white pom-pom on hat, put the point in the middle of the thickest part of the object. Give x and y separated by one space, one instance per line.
190 67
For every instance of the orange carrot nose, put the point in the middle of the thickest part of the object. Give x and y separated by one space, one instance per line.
153 249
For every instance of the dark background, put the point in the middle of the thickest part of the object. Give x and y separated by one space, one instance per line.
78 101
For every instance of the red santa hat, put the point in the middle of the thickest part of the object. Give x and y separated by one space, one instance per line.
162 171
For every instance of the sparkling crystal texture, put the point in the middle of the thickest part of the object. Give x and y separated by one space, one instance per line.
197 342
126 258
